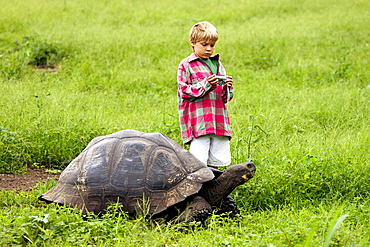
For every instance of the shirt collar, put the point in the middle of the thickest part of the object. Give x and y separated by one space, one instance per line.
193 57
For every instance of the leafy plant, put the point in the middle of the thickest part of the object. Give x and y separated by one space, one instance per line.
252 136
42 53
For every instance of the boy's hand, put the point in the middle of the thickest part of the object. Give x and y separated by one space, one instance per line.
212 80
229 81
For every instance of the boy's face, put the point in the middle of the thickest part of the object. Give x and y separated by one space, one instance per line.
203 49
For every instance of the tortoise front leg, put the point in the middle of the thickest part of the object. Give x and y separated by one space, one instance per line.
228 207
198 210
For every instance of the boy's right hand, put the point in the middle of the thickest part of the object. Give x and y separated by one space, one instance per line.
212 80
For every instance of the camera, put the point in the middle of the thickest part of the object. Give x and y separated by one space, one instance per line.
221 80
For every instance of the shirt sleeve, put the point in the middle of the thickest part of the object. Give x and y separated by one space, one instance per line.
227 93
191 89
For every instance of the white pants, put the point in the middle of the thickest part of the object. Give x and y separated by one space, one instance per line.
212 150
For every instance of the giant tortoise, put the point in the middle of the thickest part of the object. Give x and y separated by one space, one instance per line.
138 169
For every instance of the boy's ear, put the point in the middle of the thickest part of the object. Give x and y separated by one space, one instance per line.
192 43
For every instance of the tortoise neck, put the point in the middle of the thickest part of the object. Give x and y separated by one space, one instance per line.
216 190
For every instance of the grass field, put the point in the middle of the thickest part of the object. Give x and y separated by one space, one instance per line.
74 70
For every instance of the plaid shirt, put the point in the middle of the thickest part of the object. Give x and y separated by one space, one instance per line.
202 107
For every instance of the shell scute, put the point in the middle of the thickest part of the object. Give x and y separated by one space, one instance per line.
165 171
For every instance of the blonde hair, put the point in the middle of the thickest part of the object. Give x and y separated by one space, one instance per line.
203 31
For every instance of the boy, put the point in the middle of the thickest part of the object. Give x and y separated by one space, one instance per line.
204 120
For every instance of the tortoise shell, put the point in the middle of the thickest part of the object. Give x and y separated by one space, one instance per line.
129 167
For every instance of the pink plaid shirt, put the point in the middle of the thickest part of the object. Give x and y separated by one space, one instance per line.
202 107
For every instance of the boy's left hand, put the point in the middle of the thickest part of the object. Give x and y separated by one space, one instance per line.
229 81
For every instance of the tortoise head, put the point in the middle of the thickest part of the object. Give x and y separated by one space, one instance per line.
242 172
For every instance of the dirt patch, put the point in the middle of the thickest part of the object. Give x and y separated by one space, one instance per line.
25 181
47 68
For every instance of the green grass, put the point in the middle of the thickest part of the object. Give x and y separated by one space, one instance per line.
29 222
301 72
